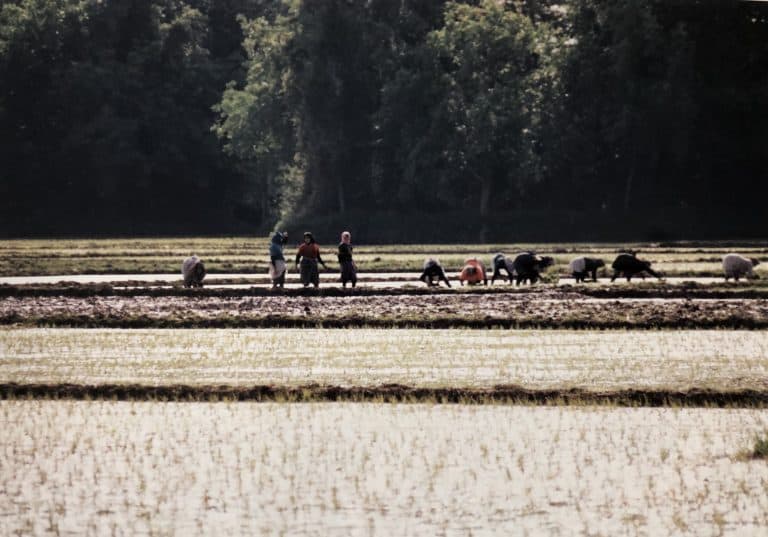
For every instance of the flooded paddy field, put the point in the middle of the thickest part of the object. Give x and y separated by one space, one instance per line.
141 468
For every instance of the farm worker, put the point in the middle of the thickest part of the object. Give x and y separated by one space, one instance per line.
277 266
433 270
736 266
193 271
309 255
473 272
347 266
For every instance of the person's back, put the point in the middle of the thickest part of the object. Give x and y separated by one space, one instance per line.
433 270
276 246
473 272
345 252
193 271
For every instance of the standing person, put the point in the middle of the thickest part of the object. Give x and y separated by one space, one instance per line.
309 255
348 268
277 266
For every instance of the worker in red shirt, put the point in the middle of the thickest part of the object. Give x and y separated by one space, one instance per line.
307 259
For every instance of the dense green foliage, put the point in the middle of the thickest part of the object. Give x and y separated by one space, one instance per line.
414 120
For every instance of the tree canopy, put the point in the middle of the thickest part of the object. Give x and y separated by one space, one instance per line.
413 120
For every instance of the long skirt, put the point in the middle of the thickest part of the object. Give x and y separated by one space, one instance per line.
277 270
309 272
348 272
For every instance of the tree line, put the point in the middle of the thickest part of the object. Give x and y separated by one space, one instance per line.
412 120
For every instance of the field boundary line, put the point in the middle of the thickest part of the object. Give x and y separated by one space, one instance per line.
390 393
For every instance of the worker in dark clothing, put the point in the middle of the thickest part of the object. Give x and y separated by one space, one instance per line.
433 270
346 264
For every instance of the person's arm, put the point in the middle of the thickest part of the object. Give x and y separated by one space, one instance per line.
298 257
319 259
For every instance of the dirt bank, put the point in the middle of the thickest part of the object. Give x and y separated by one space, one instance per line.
434 310
394 393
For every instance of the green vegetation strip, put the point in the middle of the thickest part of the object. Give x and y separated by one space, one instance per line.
392 393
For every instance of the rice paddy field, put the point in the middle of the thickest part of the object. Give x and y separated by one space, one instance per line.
132 406
249 255
147 468
538 359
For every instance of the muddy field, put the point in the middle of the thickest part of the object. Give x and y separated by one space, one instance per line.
692 295
542 309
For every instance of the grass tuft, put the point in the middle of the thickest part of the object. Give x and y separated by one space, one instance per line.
760 449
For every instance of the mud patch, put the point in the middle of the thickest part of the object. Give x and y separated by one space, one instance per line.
241 288
438 310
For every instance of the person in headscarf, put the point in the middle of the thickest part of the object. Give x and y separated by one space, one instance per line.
348 268
277 266
309 256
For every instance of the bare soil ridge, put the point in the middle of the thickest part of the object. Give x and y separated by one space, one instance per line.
541 307
393 393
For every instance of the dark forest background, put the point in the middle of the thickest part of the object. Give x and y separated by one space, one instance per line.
399 120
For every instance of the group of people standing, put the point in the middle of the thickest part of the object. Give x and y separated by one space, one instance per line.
307 260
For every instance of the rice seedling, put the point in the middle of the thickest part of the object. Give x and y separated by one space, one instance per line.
557 359
202 468
760 448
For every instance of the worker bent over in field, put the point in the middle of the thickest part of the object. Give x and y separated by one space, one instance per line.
433 270
501 262
193 271
473 272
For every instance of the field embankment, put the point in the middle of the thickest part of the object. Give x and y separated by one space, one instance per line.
541 307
